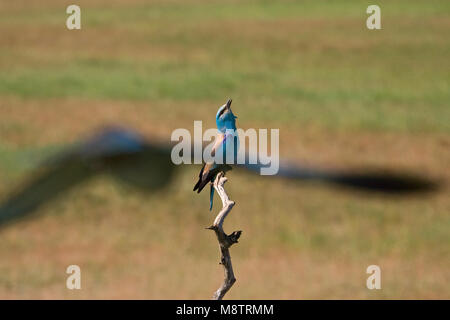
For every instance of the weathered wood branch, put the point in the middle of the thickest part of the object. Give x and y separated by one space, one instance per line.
225 241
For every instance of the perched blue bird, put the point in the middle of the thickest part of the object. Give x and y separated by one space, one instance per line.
226 146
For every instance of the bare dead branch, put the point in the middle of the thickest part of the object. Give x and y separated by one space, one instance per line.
225 241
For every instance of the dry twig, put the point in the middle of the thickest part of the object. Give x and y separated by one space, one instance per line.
225 241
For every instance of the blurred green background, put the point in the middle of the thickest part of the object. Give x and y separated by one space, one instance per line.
341 95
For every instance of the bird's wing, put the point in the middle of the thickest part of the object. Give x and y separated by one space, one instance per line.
218 143
46 184
364 179
208 170
125 155
116 151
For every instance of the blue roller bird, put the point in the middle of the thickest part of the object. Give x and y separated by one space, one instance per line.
225 148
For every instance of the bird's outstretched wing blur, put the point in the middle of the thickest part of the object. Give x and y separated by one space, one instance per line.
383 181
125 155
115 151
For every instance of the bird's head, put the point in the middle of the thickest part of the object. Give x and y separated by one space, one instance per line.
225 119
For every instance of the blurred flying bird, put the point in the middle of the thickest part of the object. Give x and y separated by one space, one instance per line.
127 156
119 152
226 141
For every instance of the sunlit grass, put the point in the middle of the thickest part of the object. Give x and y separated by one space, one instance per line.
341 95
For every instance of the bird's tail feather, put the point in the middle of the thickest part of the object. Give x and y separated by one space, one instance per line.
211 197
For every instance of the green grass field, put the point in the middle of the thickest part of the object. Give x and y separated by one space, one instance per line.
341 95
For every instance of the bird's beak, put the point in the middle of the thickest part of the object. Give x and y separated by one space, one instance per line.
228 107
229 104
